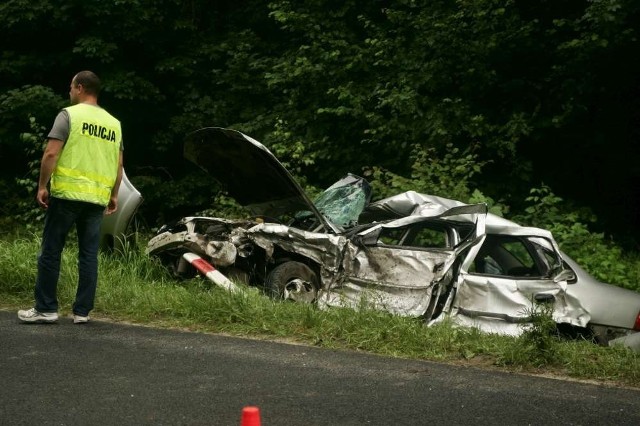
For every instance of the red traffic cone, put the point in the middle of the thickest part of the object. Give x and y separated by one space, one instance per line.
250 416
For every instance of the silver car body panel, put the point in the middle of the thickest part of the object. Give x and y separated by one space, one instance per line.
397 281
115 227
484 300
608 305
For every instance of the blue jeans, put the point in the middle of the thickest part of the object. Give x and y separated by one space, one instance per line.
61 215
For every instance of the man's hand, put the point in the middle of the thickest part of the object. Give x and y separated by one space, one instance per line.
113 205
43 198
48 163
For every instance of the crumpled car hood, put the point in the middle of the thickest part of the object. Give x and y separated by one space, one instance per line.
249 172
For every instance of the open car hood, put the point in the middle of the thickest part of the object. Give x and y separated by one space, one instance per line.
249 172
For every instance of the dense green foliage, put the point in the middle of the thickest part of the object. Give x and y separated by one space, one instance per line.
476 100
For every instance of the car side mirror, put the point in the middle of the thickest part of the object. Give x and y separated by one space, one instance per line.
564 275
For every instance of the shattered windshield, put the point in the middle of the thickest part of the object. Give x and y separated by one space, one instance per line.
343 201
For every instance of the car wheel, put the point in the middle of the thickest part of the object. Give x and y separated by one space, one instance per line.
293 281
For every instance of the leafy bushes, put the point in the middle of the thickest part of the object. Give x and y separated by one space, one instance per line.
570 226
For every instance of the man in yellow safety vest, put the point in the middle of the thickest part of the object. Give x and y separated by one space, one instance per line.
82 164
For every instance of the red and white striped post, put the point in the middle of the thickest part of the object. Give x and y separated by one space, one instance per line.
211 273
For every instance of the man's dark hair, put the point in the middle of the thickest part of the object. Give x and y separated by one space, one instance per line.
89 81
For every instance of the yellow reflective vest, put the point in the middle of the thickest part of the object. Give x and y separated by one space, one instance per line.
88 164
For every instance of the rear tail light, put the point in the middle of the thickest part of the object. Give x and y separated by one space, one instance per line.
636 326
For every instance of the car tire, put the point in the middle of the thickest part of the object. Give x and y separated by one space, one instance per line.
293 281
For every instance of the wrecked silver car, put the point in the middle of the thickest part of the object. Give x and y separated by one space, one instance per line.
116 231
411 254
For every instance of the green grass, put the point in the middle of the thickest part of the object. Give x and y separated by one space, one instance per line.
133 288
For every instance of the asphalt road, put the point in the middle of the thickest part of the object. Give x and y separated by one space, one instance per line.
104 373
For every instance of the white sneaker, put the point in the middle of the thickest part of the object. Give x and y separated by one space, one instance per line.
32 315
79 319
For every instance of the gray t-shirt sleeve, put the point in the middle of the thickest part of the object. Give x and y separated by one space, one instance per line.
60 129
61 126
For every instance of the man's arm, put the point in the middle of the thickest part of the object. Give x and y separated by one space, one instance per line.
47 165
113 202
